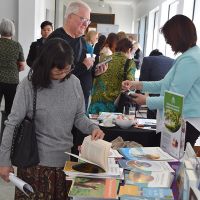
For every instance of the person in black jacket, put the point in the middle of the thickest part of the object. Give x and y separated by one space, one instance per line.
76 21
35 48
98 46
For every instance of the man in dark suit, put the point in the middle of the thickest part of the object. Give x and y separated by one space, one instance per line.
154 68
35 48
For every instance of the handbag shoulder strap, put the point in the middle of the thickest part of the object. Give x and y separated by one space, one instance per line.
34 102
125 69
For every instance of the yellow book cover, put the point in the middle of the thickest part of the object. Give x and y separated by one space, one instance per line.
130 190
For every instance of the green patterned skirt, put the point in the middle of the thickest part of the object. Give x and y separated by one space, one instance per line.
48 183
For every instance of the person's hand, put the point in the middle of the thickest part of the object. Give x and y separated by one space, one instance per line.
127 85
101 69
139 99
21 66
97 134
131 85
4 173
88 62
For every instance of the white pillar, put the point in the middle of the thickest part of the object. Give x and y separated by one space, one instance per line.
26 27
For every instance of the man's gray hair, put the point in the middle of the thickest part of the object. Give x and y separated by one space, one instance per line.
7 28
74 6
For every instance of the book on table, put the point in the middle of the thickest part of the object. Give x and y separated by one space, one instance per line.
84 187
149 179
94 160
145 165
146 153
73 169
146 193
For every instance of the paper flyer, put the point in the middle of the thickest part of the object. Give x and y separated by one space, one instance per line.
20 184
174 126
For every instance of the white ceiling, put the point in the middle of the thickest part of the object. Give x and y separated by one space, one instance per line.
116 1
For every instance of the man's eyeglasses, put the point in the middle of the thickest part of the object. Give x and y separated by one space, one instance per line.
83 20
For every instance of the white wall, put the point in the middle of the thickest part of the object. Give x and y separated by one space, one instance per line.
123 13
9 9
123 16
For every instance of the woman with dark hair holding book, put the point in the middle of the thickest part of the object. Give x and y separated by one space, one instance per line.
183 77
60 105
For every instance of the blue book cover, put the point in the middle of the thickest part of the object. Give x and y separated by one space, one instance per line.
149 193
146 153
145 165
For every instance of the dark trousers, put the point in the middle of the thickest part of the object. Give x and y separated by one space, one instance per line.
8 91
192 134
151 114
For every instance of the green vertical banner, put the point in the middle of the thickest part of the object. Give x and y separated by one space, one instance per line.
174 127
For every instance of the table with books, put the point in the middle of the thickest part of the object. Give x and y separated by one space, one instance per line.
145 135
128 174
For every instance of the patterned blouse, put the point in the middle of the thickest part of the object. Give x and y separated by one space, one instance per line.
10 53
107 86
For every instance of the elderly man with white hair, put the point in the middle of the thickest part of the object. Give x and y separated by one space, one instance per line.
76 21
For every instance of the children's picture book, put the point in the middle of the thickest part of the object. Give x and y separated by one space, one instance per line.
148 179
95 152
174 126
146 153
152 193
94 188
145 165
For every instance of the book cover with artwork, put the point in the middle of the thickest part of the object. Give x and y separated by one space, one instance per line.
84 169
94 188
148 179
146 153
146 193
174 126
145 165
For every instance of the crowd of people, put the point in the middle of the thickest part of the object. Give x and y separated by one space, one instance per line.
70 85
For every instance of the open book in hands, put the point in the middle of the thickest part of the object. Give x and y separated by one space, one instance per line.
95 152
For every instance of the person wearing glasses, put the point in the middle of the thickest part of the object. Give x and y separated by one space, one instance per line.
59 106
76 21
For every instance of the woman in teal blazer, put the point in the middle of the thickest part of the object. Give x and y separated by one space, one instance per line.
183 77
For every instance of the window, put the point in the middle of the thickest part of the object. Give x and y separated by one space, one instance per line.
155 31
142 33
171 12
196 16
188 8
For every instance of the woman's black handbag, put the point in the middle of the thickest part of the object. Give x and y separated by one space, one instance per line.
124 100
24 151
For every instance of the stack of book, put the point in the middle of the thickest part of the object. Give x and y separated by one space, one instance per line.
147 173
96 174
